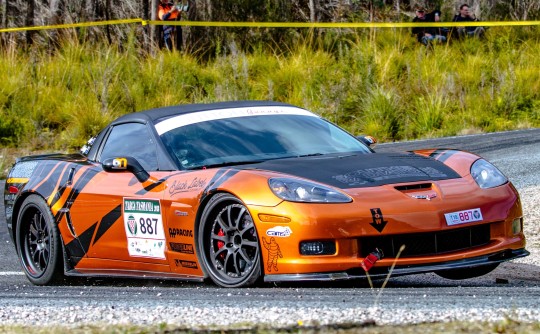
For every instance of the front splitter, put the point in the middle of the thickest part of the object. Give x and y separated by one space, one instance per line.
403 270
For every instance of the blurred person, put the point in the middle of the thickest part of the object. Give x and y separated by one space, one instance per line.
426 35
172 35
465 15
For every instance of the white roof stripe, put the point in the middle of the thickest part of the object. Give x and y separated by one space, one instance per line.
209 115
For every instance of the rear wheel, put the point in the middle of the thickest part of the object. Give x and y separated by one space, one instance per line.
38 242
228 243
457 274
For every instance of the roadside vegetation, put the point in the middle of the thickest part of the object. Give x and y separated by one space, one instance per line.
379 82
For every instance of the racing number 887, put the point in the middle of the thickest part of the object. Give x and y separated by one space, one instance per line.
147 227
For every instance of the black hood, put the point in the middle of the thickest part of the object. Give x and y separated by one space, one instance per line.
361 170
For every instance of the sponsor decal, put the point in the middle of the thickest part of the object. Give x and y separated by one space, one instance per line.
378 220
428 197
132 225
279 231
215 114
462 217
274 253
180 213
181 248
144 228
173 232
119 163
185 264
180 186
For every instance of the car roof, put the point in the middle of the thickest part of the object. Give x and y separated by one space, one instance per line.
158 114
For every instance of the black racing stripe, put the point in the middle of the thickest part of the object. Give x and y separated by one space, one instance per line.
63 183
214 179
58 217
38 171
87 176
443 155
435 154
152 186
47 187
107 221
221 176
74 250
86 238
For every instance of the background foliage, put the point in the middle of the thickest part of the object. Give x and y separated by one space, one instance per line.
61 87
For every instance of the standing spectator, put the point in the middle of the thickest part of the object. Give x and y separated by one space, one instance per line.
172 35
465 15
426 35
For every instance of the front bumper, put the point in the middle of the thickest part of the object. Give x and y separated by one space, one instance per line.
382 272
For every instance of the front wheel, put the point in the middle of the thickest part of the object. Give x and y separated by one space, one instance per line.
457 274
228 243
38 242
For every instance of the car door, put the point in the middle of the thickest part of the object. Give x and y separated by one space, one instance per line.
121 216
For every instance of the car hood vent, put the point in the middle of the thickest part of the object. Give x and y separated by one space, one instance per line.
413 187
359 170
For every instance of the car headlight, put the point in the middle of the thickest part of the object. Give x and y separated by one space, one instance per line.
297 190
486 175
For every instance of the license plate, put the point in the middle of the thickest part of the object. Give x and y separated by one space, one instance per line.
462 217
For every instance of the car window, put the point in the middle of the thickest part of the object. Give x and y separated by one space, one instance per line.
256 138
131 139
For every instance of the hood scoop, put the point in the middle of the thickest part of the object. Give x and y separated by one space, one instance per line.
414 187
424 191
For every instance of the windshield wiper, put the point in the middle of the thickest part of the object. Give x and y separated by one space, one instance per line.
310 155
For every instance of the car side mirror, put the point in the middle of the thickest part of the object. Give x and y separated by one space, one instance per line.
128 163
369 141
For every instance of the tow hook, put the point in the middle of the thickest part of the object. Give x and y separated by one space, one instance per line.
370 260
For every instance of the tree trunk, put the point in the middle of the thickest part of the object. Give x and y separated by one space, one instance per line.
154 30
146 29
312 9
55 8
30 9
3 22
5 9
107 18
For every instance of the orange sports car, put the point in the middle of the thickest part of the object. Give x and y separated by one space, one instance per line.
245 191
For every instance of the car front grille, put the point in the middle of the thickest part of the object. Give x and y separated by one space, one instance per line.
425 244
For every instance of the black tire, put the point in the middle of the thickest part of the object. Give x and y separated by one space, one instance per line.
465 273
227 243
38 242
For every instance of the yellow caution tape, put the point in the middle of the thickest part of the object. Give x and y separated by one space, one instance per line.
281 24
73 25
344 24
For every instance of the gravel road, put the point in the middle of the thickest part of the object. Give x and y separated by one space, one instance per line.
511 291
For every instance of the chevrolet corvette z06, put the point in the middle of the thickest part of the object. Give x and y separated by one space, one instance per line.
241 192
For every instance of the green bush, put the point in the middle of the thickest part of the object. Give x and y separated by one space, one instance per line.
379 82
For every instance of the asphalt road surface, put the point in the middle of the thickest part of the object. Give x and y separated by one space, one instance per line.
511 291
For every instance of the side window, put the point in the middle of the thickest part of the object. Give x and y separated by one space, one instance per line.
131 139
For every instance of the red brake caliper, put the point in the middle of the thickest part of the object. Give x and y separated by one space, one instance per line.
220 244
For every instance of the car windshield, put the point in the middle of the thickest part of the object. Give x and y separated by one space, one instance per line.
237 140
